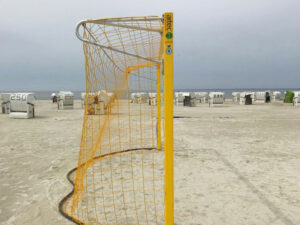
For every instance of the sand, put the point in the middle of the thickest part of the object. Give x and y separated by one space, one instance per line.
233 164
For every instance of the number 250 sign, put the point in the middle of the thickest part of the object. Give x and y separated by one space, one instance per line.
18 97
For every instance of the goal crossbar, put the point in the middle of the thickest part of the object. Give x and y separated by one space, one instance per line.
84 22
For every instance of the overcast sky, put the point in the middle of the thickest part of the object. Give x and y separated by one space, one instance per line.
218 43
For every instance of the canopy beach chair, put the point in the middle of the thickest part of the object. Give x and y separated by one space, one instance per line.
82 100
216 98
191 100
5 106
260 97
139 97
65 100
203 97
236 96
179 97
152 98
246 98
275 96
296 99
199 97
21 105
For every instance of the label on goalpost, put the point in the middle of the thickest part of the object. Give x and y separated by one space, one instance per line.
168 33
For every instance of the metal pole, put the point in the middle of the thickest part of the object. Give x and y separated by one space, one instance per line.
168 117
158 99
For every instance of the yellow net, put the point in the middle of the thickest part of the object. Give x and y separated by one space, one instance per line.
120 174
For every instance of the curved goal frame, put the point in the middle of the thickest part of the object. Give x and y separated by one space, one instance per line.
163 64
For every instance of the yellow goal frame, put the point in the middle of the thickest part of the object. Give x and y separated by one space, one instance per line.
162 60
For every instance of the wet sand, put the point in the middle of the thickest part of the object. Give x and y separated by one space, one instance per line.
233 164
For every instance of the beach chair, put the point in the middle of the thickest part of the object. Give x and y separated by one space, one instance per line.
82 100
21 105
132 97
289 96
106 97
200 97
242 98
139 97
192 99
197 97
94 103
296 99
268 96
246 98
260 97
252 95
144 97
179 97
235 96
275 96
5 106
152 98
65 100
189 101
216 98
203 97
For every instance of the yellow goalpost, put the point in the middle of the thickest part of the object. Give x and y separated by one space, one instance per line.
124 173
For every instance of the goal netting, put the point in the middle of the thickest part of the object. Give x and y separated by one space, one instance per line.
120 174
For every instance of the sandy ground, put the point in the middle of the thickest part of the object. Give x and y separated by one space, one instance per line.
233 164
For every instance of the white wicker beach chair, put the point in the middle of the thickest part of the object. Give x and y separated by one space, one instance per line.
275 96
260 97
243 97
216 98
65 100
139 97
179 97
4 100
83 99
152 98
296 99
236 96
196 96
203 97
21 105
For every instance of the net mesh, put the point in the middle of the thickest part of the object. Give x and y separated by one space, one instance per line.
119 177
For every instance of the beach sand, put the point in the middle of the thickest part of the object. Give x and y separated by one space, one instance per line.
233 165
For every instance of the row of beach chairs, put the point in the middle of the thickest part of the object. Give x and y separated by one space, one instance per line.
256 97
21 105
263 97
96 102
180 98
243 98
212 98
195 98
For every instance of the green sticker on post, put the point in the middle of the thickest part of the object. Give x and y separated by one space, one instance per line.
169 35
